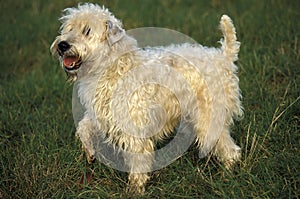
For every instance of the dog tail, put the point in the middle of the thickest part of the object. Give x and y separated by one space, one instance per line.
230 45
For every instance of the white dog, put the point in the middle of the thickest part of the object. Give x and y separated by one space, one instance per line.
120 85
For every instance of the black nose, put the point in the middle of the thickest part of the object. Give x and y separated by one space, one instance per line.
63 46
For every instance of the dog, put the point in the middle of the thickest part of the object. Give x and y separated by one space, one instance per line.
120 84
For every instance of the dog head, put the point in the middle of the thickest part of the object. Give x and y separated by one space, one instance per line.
87 33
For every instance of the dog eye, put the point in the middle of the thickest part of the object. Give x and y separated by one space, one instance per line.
86 31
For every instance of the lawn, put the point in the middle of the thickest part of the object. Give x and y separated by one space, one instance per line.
39 155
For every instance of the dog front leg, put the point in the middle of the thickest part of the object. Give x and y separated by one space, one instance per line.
85 131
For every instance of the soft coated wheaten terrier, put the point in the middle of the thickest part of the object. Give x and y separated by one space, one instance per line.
120 85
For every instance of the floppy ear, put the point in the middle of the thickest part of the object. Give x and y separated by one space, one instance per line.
114 33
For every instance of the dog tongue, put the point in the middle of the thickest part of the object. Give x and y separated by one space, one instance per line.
68 61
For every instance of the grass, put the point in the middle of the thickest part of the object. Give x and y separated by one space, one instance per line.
39 152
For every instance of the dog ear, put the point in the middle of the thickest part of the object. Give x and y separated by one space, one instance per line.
114 33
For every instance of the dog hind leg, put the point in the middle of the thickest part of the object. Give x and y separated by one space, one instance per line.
139 159
226 150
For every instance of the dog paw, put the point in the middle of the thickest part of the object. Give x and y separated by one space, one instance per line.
134 189
90 154
90 158
233 158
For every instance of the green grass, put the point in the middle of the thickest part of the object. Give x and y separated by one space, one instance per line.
39 152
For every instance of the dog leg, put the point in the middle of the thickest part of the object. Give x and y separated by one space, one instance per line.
226 150
139 161
85 131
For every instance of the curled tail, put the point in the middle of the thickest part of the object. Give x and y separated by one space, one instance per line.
230 45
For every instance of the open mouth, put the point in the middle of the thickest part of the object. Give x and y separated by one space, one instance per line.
71 63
